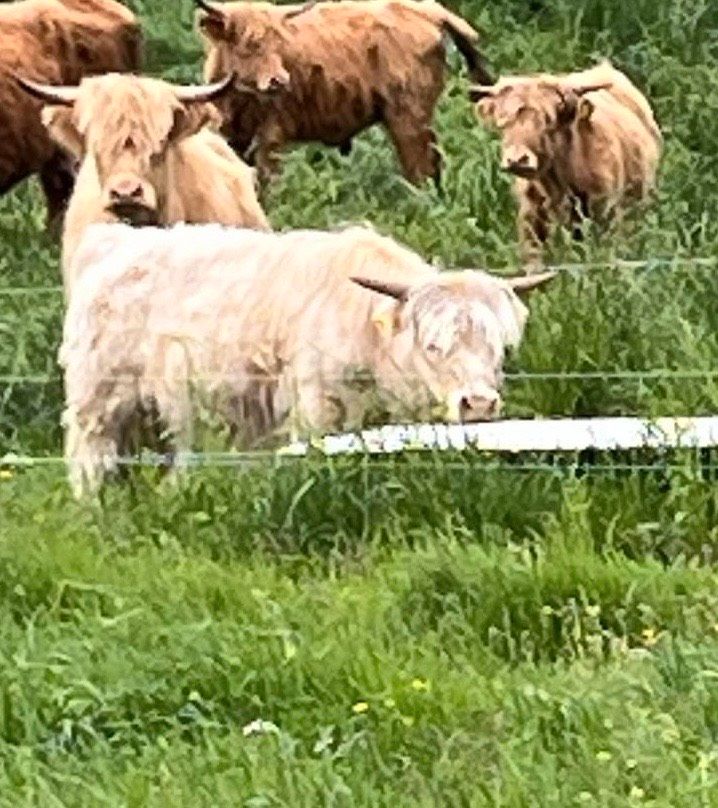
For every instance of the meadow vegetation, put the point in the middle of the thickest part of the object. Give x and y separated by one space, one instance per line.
427 631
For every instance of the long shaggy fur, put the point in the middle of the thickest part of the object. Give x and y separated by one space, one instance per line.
195 175
343 66
267 329
597 151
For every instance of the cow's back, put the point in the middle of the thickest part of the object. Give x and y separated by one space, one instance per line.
349 62
228 292
209 183
621 88
45 41
615 154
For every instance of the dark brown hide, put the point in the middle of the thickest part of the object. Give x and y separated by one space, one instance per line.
56 42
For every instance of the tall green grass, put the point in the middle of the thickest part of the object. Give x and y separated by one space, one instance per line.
433 631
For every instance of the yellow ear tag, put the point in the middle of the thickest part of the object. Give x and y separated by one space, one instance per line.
384 321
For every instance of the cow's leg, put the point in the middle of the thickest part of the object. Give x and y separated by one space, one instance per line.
174 412
307 397
270 140
534 229
89 454
578 214
57 179
415 144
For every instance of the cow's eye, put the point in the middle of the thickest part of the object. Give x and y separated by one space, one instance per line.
433 349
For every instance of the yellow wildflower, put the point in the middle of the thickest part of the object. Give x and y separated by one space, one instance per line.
637 793
6 474
420 684
650 637
360 707
390 703
603 756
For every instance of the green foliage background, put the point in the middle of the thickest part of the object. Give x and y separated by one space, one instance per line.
422 632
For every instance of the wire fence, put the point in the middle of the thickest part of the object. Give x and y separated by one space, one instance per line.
558 464
653 374
573 268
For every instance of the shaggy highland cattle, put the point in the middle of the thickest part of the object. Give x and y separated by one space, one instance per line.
309 329
58 42
147 157
336 68
580 146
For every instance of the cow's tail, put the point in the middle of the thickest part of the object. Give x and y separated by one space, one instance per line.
466 38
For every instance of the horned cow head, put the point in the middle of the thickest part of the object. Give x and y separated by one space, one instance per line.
449 335
531 114
126 125
248 37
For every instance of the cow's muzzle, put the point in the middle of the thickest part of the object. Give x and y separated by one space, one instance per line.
469 407
132 200
134 214
520 163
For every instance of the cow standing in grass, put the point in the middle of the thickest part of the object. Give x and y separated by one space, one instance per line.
59 42
146 157
580 145
336 69
309 329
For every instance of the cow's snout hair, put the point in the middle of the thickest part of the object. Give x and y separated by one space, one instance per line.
276 82
520 161
131 199
480 403
483 406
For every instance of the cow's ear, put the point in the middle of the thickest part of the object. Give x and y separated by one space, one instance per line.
60 123
568 108
486 109
585 110
215 27
189 119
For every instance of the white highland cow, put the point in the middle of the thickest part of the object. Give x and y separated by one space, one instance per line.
271 329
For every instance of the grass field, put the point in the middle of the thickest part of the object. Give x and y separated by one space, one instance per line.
418 632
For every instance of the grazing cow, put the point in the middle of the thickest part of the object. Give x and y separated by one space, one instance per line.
59 42
147 157
580 145
335 69
310 329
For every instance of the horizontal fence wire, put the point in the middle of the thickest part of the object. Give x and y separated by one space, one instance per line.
247 460
569 267
654 374
19 291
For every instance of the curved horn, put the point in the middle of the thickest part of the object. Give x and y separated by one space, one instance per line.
301 10
398 291
590 88
213 11
478 92
526 283
204 92
48 93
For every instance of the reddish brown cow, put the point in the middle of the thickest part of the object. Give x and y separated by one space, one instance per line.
337 68
57 42
579 145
